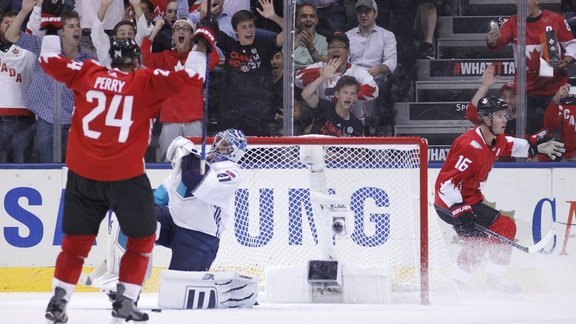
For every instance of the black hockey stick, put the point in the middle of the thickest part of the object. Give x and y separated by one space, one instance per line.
205 112
447 217
528 249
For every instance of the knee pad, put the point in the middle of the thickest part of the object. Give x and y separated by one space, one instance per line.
504 226
142 245
78 245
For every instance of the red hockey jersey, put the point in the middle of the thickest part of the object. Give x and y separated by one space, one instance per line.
178 109
535 28
468 164
113 114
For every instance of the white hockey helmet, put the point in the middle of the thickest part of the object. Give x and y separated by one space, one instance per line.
230 144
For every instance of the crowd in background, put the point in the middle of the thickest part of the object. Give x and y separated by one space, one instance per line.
353 60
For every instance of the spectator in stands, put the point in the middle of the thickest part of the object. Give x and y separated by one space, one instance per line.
428 18
276 127
247 74
541 83
339 48
336 118
374 49
561 114
179 115
171 12
123 29
277 67
16 121
163 40
507 93
309 46
331 15
88 10
398 16
51 101
223 11
132 13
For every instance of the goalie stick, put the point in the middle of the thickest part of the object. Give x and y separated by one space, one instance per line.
205 112
528 249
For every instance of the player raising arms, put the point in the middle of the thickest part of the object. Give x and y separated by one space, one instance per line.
458 196
110 131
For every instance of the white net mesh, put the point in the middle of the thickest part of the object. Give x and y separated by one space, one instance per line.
275 223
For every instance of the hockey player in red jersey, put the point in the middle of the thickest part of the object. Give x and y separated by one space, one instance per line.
458 195
110 131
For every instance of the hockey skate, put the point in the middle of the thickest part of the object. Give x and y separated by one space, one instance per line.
124 308
56 310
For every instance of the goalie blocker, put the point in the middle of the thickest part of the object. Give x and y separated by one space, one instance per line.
206 290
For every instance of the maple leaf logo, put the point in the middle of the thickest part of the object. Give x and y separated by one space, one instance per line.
533 61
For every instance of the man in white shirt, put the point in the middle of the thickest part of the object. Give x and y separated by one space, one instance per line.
374 48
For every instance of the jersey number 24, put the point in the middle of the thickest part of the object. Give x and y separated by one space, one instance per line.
123 123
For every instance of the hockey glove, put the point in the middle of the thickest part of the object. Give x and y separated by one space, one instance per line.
549 146
464 219
50 16
191 176
206 31
180 147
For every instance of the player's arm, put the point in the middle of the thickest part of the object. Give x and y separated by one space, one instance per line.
309 93
54 64
219 184
463 165
536 144
161 194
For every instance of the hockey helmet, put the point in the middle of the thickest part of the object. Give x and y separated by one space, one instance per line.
123 52
489 105
234 147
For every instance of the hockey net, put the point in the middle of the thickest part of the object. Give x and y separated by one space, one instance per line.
384 183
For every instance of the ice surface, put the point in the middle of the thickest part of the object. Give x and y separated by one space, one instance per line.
486 308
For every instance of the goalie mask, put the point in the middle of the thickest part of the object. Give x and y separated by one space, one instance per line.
123 52
229 144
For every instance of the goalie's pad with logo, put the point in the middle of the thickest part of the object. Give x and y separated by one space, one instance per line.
205 290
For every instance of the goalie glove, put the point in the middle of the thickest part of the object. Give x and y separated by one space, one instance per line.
549 146
50 20
179 148
206 31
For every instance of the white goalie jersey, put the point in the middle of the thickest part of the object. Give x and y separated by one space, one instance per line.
204 208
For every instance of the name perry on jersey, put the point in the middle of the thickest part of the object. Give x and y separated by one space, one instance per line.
109 84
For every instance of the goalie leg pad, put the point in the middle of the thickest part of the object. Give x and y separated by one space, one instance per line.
205 290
